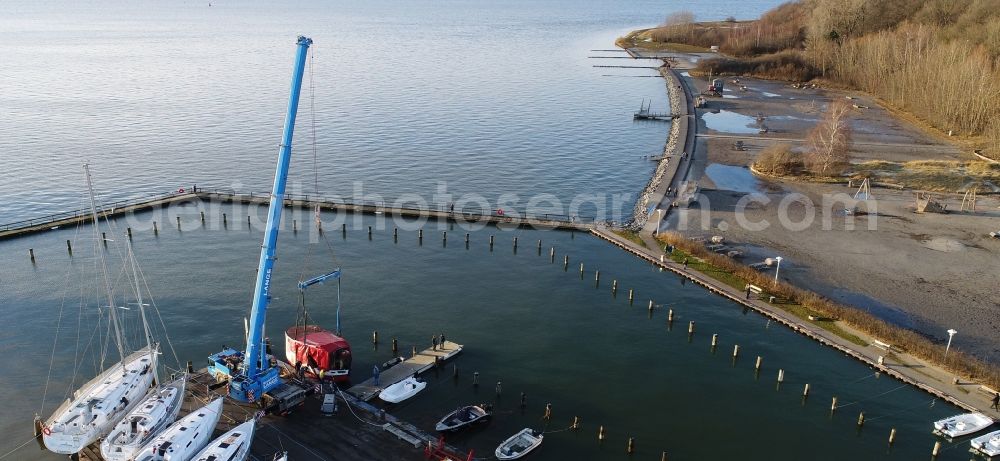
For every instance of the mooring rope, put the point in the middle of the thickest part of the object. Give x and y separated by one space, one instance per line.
929 404
348 403
17 448
874 396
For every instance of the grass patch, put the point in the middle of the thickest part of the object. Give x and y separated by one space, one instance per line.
642 39
931 175
631 236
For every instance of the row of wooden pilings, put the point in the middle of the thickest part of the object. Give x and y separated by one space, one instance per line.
651 306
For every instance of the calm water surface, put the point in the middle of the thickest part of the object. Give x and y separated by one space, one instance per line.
410 98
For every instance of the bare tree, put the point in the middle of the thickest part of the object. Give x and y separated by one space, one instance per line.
829 142
679 18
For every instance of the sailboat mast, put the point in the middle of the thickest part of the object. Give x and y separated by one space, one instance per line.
104 268
142 306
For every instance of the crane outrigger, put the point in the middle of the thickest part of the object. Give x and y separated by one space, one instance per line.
250 375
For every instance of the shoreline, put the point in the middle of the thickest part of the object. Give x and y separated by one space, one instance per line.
934 380
640 213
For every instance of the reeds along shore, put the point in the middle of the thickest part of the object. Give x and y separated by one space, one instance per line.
956 361
937 60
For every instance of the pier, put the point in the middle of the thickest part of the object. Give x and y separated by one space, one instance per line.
412 366
518 218
307 434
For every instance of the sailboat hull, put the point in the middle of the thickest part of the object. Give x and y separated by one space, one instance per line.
156 411
99 404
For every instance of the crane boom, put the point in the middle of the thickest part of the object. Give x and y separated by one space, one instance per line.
255 376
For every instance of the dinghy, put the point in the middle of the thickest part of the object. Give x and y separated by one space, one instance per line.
231 446
964 424
153 414
988 445
463 417
402 390
183 439
99 404
520 444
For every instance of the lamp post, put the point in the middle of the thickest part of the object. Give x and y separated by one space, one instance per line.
951 334
777 269
659 219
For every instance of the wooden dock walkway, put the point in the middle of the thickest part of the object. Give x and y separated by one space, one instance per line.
415 365
510 217
359 433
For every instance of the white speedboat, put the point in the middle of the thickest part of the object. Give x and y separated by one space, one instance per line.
402 390
231 446
99 404
153 414
519 444
964 424
185 438
988 444
463 417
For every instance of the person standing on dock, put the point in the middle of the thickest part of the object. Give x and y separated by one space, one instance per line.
434 343
442 341
748 291
996 401
685 263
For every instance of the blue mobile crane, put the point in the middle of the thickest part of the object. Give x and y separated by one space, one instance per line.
250 375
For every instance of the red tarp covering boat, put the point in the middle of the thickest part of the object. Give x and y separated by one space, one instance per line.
320 352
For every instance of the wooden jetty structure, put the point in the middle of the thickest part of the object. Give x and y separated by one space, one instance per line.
199 196
418 363
645 113
361 432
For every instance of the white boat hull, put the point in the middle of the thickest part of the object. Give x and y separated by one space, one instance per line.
231 446
185 438
964 424
153 414
519 444
99 404
402 390
988 444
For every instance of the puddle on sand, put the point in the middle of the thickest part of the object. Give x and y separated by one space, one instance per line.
730 96
792 117
770 95
734 178
730 122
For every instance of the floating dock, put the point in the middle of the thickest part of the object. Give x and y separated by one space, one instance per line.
130 207
360 432
415 365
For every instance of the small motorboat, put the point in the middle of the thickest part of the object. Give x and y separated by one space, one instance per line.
463 417
402 390
519 444
964 424
231 446
988 445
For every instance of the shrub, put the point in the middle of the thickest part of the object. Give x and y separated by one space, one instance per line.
778 160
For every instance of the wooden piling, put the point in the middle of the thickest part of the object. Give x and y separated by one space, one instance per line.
715 340
539 246
524 400
499 387
581 270
369 232
631 296
691 327
375 337
805 391
295 226
224 220
936 449
565 262
466 238
248 222
614 286
833 404
650 306
202 216
548 412
515 243
31 253
552 254
156 230
395 233
444 236
475 379
736 350
395 346
178 222
597 276
104 238
343 228
757 364
861 419
491 242
892 436
663 457
781 376
630 448
576 423
420 234
190 367
413 351
600 433
129 231
69 247
670 315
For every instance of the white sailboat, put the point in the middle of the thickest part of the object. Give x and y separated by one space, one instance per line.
231 446
183 439
157 411
104 400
